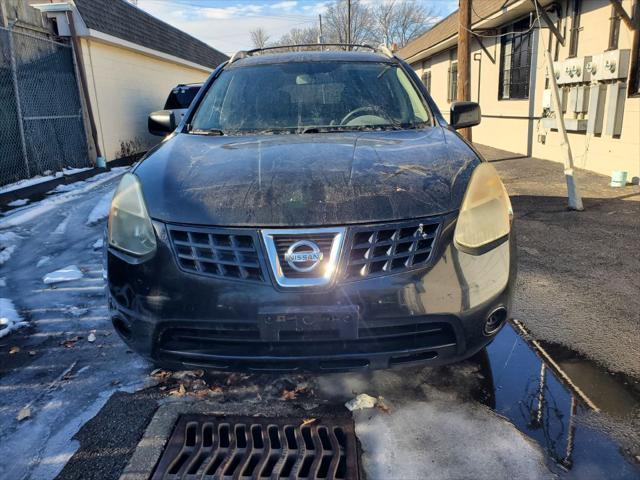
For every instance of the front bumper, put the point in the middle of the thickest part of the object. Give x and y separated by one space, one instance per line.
434 315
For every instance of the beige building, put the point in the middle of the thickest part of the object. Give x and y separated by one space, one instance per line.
130 61
597 69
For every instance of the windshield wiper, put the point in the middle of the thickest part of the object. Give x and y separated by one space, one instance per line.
206 131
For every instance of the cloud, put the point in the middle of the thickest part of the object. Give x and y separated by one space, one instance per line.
286 5
227 27
228 12
226 24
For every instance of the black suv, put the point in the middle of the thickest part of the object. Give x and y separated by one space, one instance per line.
312 211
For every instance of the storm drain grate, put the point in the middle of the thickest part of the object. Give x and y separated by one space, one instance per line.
221 448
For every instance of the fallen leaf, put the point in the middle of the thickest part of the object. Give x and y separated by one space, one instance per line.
24 413
71 342
14 350
181 390
288 395
160 374
382 405
308 421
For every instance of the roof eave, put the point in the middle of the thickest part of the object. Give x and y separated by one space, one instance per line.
496 19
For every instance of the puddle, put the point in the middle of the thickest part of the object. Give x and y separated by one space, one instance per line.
555 400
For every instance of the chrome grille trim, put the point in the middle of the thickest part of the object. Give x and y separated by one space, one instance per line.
281 274
218 252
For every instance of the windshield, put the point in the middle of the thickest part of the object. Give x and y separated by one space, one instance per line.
181 97
310 97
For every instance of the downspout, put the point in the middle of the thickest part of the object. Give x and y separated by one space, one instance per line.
85 89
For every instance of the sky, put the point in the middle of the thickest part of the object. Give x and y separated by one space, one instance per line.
225 24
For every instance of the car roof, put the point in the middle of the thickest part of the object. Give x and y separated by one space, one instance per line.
310 56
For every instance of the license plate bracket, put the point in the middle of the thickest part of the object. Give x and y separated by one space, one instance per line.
282 323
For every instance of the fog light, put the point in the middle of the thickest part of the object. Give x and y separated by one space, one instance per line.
495 320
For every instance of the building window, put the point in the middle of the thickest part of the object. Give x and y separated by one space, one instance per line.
452 80
614 29
452 92
426 79
575 28
515 60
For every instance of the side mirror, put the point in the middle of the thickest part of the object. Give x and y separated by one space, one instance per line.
464 114
161 123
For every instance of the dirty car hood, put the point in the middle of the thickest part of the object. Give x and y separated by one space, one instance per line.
306 180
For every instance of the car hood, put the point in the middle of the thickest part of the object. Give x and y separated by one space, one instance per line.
306 180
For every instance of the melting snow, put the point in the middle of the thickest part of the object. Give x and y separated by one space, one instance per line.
65 274
101 209
18 203
8 243
42 261
71 192
10 319
425 440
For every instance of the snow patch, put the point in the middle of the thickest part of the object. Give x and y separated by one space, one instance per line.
28 182
72 170
101 210
71 192
18 203
98 244
10 319
62 226
42 261
65 274
463 440
8 243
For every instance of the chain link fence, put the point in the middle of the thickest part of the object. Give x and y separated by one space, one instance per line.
41 123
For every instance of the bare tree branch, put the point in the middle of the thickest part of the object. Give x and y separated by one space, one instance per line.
259 37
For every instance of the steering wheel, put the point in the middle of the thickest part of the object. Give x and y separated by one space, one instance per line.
359 112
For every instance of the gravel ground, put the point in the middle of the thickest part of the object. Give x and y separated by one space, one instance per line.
578 281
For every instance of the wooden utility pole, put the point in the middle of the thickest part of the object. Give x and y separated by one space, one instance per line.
464 57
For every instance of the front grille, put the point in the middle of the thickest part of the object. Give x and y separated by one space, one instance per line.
283 242
382 249
243 339
209 447
217 252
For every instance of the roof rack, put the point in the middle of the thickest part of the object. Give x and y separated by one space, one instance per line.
383 49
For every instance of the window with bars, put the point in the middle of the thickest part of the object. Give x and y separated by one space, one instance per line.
452 90
515 60
426 79
452 76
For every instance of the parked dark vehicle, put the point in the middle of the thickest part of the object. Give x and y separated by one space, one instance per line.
313 211
175 107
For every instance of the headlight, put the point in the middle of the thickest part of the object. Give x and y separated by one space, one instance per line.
130 228
485 216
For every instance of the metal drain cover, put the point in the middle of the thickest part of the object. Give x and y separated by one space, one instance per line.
221 448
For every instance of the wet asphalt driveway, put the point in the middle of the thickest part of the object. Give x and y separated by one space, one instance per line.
556 394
